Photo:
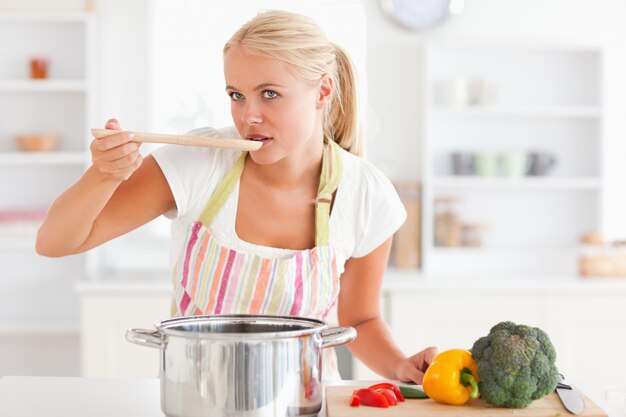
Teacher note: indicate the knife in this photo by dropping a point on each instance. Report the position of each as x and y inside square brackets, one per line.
[570, 397]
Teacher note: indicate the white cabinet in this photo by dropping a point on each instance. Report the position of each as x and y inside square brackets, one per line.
[104, 349]
[37, 295]
[589, 334]
[454, 320]
[586, 326]
[513, 141]
[129, 302]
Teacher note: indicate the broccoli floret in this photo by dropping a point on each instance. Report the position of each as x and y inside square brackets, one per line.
[515, 365]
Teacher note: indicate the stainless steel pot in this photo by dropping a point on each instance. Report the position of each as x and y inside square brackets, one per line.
[241, 365]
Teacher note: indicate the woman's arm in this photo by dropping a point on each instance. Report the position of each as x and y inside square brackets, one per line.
[117, 194]
[359, 307]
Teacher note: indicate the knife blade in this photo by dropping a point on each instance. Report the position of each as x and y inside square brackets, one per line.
[570, 397]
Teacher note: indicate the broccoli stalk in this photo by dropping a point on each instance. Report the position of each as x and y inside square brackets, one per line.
[516, 365]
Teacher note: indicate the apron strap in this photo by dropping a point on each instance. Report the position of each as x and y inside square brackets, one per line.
[222, 191]
[329, 181]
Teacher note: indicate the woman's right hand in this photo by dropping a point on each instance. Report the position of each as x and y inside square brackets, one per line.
[116, 156]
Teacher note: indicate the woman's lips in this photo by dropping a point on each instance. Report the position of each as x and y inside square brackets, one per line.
[263, 139]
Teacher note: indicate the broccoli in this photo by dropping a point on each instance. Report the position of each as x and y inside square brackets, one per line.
[515, 365]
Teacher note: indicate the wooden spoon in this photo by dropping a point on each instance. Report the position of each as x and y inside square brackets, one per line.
[228, 143]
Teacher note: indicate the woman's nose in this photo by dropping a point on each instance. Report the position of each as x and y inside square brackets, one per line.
[251, 114]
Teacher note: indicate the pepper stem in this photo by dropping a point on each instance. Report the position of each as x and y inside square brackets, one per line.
[467, 379]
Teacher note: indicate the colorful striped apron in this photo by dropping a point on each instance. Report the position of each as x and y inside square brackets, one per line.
[213, 279]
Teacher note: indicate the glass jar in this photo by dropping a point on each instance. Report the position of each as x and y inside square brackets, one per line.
[448, 229]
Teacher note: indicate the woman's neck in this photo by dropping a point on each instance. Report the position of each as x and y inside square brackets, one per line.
[295, 171]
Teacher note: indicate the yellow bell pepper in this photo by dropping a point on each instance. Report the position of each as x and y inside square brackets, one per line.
[452, 377]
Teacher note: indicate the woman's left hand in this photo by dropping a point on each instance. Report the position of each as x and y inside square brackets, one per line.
[413, 367]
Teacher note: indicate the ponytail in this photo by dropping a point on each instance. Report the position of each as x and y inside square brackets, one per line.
[342, 122]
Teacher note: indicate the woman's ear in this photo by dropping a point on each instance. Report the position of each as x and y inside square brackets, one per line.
[325, 91]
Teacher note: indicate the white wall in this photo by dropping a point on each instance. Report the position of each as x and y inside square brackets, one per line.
[123, 72]
[393, 71]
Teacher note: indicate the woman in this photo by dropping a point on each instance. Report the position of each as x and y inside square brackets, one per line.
[293, 228]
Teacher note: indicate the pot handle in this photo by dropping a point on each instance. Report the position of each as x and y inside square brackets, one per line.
[335, 336]
[150, 338]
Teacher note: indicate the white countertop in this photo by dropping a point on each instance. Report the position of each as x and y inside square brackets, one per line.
[403, 280]
[79, 397]
[23, 396]
[100, 397]
[396, 280]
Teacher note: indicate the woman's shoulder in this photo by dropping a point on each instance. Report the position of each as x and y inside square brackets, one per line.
[370, 209]
[360, 172]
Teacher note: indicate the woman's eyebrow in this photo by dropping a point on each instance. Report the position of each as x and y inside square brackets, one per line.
[258, 87]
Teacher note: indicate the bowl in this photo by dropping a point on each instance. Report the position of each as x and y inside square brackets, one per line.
[39, 142]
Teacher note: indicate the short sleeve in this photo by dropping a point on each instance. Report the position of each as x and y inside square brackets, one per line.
[381, 212]
[190, 170]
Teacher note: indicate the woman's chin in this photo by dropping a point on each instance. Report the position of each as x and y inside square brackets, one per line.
[264, 156]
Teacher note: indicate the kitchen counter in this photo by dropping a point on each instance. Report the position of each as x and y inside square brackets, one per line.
[403, 280]
[553, 304]
[82, 397]
[396, 281]
[98, 397]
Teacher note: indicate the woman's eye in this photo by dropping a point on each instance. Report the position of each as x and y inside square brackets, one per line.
[236, 96]
[270, 94]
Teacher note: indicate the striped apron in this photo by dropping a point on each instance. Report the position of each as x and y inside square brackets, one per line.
[214, 279]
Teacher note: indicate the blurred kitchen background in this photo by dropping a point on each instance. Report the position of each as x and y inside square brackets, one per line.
[501, 124]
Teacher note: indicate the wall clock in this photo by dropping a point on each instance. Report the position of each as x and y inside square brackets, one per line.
[421, 14]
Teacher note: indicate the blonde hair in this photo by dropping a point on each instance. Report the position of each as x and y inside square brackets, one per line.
[298, 41]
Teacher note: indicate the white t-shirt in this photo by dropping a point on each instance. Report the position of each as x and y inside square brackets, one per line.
[365, 213]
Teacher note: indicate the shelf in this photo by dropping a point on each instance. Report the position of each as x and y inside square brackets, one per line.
[44, 16]
[500, 101]
[43, 86]
[43, 158]
[539, 183]
[7, 243]
[24, 329]
[506, 250]
[401, 280]
[40, 299]
[513, 260]
[519, 111]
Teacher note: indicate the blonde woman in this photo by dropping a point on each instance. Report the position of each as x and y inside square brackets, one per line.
[294, 228]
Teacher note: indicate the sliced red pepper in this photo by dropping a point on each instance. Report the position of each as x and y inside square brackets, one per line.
[398, 393]
[389, 385]
[372, 398]
[388, 393]
[354, 401]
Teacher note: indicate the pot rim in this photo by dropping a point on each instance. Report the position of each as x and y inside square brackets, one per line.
[312, 326]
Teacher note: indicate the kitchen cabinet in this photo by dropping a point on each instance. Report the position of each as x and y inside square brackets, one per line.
[37, 297]
[136, 302]
[512, 158]
[455, 320]
[585, 319]
[589, 332]
[126, 304]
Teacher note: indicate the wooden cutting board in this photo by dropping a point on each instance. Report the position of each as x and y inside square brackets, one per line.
[338, 405]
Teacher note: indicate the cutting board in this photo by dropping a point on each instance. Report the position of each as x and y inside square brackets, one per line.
[338, 405]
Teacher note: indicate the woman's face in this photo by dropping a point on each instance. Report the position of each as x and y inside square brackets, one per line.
[271, 105]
